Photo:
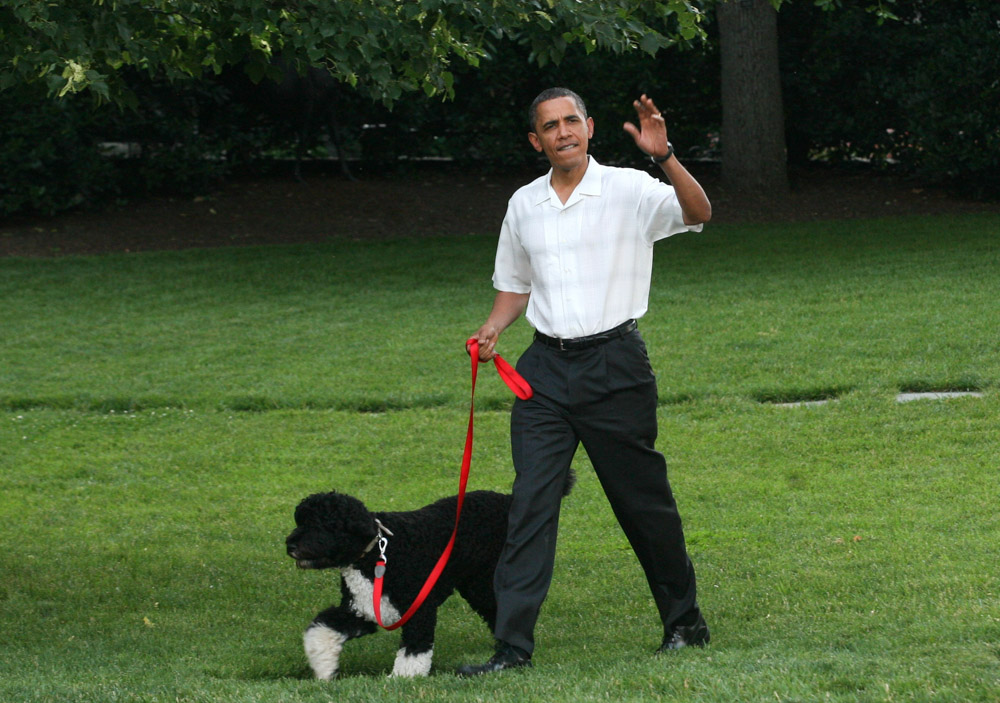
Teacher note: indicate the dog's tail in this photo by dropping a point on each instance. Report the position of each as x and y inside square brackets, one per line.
[570, 482]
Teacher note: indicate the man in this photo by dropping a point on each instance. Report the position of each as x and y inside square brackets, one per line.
[575, 255]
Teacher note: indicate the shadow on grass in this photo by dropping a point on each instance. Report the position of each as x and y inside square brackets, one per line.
[281, 671]
[791, 397]
[960, 385]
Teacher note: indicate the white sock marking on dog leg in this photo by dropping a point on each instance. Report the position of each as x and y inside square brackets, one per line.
[362, 593]
[323, 646]
[410, 665]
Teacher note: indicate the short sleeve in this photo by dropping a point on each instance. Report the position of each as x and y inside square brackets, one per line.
[660, 213]
[512, 269]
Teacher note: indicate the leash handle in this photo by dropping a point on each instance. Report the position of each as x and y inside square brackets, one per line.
[522, 390]
[514, 380]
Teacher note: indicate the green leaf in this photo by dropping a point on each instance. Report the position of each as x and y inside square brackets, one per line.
[650, 43]
[256, 70]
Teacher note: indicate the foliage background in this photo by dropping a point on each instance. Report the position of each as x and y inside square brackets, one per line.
[919, 95]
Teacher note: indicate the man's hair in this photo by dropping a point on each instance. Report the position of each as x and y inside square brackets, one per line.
[552, 94]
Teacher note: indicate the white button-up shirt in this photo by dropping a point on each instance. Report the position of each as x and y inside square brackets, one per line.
[587, 263]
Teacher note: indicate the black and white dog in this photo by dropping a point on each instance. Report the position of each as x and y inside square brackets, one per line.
[336, 531]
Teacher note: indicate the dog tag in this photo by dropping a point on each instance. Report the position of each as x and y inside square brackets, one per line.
[379, 571]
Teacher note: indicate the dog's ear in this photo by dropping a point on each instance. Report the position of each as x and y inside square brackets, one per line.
[366, 528]
[355, 519]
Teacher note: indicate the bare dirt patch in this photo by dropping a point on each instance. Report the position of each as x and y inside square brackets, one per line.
[425, 200]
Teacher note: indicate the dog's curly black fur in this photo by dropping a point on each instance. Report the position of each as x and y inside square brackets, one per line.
[336, 531]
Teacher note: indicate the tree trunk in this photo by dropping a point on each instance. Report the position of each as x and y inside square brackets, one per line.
[753, 131]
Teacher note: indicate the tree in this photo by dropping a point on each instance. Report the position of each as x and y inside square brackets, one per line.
[382, 47]
[754, 156]
[753, 127]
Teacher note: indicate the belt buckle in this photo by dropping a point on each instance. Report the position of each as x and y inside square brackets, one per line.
[562, 347]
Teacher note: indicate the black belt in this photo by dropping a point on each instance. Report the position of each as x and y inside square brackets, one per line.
[592, 340]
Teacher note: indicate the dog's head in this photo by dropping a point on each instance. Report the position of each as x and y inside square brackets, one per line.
[333, 531]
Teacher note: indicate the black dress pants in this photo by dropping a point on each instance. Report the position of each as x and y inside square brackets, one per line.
[605, 398]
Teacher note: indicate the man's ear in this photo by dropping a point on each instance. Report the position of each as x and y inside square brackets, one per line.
[533, 138]
[590, 128]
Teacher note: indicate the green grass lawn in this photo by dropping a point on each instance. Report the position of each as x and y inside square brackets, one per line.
[162, 414]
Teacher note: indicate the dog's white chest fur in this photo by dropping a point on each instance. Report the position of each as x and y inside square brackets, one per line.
[362, 597]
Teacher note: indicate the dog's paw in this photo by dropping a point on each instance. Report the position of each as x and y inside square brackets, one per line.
[412, 665]
[323, 646]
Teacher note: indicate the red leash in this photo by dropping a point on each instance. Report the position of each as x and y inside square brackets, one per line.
[523, 391]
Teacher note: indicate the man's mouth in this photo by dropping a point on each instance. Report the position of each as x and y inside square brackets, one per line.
[567, 147]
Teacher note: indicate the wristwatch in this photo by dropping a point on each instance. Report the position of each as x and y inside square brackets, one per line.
[661, 159]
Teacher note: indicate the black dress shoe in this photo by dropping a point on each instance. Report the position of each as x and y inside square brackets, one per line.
[506, 657]
[686, 636]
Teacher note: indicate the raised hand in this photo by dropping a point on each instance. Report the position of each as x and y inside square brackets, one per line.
[651, 134]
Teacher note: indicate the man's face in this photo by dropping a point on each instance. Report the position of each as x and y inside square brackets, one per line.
[562, 133]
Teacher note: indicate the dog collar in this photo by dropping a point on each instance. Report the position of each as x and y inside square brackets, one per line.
[368, 548]
[381, 531]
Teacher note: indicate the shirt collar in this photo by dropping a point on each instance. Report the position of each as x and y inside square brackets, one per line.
[589, 185]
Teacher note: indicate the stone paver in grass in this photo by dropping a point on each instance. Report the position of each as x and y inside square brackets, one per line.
[900, 398]
[936, 395]
[804, 403]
